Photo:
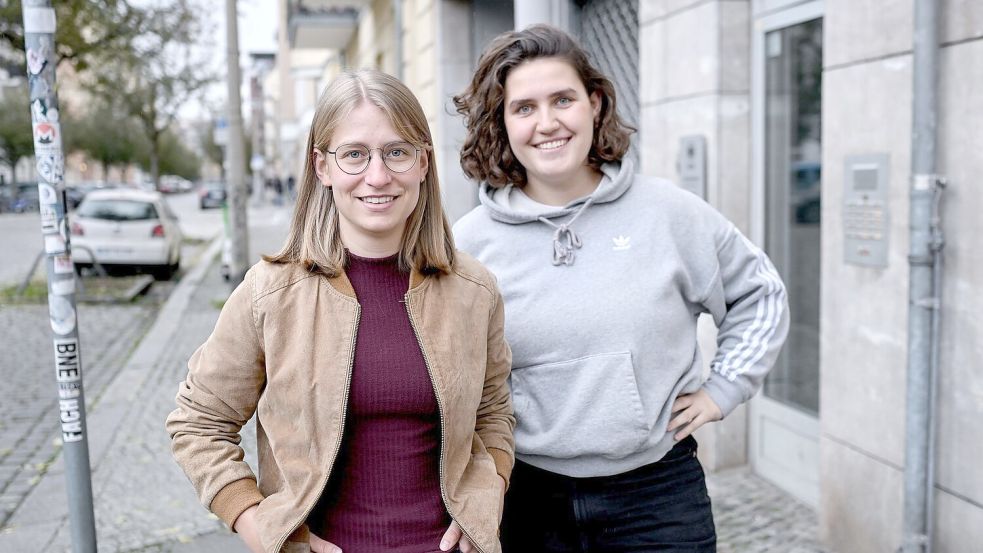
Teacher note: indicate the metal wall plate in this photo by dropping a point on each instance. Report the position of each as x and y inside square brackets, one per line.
[865, 210]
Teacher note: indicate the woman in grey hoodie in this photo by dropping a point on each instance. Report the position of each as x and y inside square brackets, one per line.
[604, 274]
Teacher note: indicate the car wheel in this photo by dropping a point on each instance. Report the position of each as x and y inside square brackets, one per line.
[166, 272]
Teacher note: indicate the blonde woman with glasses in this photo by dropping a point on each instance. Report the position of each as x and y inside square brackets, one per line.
[371, 352]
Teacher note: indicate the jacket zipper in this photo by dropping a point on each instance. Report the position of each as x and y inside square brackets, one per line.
[341, 435]
[440, 411]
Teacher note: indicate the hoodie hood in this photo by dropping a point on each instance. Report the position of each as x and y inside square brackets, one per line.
[499, 201]
[502, 205]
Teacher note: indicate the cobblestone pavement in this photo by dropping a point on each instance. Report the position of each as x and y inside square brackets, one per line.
[148, 504]
[754, 516]
[28, 412]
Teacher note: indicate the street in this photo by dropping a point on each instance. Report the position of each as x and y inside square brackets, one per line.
[20, 242]
[20, 235]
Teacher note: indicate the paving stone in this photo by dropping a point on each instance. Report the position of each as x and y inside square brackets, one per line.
[754, 516]
[107, 333]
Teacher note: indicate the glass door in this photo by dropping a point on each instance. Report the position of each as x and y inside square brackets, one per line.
[788, 93]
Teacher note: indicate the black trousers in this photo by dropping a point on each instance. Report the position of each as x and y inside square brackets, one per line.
[661, 507]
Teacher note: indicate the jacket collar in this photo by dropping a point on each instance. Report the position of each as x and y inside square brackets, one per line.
[343, 285]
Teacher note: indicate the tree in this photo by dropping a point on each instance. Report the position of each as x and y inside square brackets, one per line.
[107, 135]
[208, 147]
[215, 153]
[154, 78]
[16, 134]
[86, 31]
[178, 159]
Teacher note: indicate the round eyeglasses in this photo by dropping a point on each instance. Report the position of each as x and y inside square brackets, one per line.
[353, 159]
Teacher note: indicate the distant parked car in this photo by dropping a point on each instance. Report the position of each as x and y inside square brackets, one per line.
[75, 192]
[173, 183]
[211, 194]
[130, 228]
[23, 198]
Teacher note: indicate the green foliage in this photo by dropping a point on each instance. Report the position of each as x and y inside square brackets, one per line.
[208, 146]
[35, 292]
[135, 59]
[108, 136]
[86, 31]
[177, 159]
[157, 75]
[16, 135]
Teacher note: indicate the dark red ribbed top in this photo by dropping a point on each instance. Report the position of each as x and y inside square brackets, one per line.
[383, 495]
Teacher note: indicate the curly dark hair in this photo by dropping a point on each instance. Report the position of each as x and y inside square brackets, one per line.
[486, 154]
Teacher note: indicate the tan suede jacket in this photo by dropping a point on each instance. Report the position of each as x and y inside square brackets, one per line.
[283, 348]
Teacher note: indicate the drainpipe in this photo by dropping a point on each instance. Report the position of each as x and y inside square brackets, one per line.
[398, 26]
[924, 294]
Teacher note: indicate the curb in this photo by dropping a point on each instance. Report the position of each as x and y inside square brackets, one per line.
[107, 416]
[105, 413]
[120, 394]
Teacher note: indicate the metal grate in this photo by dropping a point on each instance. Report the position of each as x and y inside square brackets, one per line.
[609, 31]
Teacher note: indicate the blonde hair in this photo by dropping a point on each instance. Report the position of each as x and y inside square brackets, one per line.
[314, 239]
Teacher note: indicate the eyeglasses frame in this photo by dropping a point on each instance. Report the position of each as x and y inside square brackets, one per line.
[370, 150]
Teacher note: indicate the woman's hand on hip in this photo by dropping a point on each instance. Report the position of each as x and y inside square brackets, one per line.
[691, 411]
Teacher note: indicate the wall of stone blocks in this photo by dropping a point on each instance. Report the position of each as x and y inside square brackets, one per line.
[867, 109]
[454, 73]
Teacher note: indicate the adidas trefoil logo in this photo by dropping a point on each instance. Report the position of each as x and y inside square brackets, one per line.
[621, 243]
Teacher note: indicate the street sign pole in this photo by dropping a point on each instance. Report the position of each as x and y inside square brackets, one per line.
[39, 44]
[236, 185]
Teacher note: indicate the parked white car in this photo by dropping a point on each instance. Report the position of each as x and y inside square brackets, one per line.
[123, 227]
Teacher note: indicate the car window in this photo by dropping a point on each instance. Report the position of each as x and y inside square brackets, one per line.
[117, 210]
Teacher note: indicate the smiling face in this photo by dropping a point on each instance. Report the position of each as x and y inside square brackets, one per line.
[374, 205]
[549, 118]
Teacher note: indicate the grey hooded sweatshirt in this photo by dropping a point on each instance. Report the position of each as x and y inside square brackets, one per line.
[601, 315]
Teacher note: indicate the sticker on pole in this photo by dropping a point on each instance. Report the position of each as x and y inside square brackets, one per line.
[49, 218]
[67, 366]
[37, 60]
[39, 20]
[62, 315]
[63, 264]
[47, 138]
[63, 287]
[54, 243]
[41, 112]
[69, 377]
[51, 167]
[47, 194]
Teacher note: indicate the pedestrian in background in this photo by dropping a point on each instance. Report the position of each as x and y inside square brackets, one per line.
[372, 353]
[290, 187]
[604, 273]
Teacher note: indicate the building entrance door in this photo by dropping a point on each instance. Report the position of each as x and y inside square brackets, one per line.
[787, 141]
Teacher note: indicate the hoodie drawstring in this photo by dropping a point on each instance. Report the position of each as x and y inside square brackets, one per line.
[565, 240]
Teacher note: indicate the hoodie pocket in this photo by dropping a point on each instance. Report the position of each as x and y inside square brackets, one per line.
[588, 406]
